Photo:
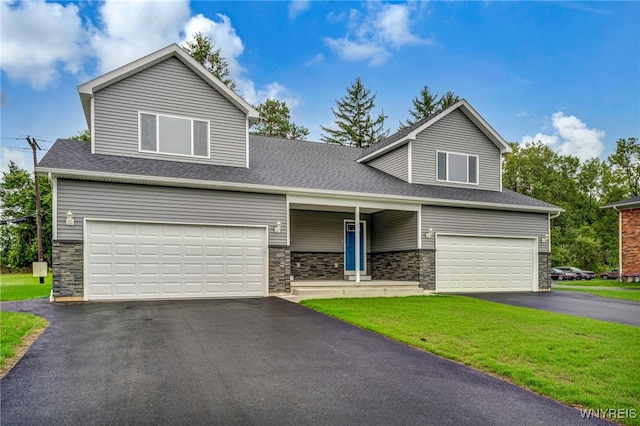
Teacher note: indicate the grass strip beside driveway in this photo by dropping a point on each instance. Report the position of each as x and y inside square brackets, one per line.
[633, 295]
[17, 332]
[599, 282]
[579, 361]
[23, 287]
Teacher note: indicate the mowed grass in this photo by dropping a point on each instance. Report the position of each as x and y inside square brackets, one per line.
[579, 361]
[633, 295]
[599, 282]
[15, 331]
[23, 287]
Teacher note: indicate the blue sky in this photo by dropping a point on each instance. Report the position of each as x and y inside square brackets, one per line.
[565, 73]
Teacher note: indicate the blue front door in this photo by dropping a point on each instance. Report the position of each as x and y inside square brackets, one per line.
[350, 247]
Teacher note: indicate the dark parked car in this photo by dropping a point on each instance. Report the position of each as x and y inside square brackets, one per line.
[613, 274]
[587, 275]
[560, 275]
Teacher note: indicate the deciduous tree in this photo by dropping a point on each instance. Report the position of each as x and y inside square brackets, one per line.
[18, 233]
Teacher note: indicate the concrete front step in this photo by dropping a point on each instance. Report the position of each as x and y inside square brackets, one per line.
[360, 291]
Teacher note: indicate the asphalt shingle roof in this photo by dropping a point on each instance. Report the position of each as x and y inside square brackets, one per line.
[283, 163]
[628, 201]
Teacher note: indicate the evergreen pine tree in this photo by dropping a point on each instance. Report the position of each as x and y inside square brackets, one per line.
[203, 50]
[355, 125]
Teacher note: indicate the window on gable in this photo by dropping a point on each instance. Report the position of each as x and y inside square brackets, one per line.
[461, 168]
[174, 135]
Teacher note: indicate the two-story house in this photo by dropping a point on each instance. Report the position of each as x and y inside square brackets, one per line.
[173, 198]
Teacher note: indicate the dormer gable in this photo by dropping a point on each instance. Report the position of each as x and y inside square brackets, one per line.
[454, 147]
[167, 106]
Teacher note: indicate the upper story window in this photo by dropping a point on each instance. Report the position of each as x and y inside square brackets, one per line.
[460, 168]
[168, 134]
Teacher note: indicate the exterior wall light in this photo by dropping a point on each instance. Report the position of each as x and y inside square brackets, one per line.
[545, 238]
[70, 220]
[278, 227]
[429, 233]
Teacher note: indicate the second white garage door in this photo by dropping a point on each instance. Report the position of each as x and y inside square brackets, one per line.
[125, 260]
[484, 264]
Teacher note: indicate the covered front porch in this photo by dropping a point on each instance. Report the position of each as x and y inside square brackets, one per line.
[347, 248]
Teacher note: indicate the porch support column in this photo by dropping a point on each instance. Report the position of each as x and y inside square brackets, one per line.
[357, 245]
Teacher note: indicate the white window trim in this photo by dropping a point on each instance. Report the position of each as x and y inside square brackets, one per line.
[157, 151]
[454, 181]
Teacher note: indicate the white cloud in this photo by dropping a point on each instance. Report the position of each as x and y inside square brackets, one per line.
[296, 7]
[571, 137]
[318, 59]
[357, 51]
[222, 34]
[273, 90]
[37, 38]
[371, 35]
[131, 30]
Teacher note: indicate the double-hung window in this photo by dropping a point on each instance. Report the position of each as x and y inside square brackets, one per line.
[459, 168]
[167, 134]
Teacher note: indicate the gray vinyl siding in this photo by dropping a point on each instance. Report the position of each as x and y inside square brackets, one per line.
[455, 133]
[100, 200]
[460, 221]
[393, 230]
[315, 231]
[168, 88]
[395, 163]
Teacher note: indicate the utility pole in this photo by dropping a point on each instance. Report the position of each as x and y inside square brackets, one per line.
[34, 145]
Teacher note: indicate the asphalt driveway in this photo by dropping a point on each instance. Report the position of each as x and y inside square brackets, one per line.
[572, 303]
[249, 362]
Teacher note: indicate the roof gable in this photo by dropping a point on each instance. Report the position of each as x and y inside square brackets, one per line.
[87, 89]
[402, 136]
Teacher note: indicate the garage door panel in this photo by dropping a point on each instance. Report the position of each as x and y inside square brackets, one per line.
[476, 264]
[138, 260]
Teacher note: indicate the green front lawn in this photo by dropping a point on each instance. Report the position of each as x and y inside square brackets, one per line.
[23, 287]
[578, 361]
[16, 331]
[599, 282]
[633, 295]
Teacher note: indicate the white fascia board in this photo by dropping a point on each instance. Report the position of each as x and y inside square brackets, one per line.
[87, 89]
[352, 197]
[623, 206]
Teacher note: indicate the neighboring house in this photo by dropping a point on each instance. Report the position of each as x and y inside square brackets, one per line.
[628, 235]
[173, 198]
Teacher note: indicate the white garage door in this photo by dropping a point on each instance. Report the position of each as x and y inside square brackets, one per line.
[126, 260]
[482, 264]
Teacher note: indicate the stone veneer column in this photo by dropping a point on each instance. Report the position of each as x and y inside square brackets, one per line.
[68, 268]
[279, 269]
[544, 273]
[427, 264]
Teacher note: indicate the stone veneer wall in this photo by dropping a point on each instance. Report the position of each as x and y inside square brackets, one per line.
[427, 260]
[630, 254]
[68, 268]
[544, 273]
[317, 266]
[279, 269]
[395, 265]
